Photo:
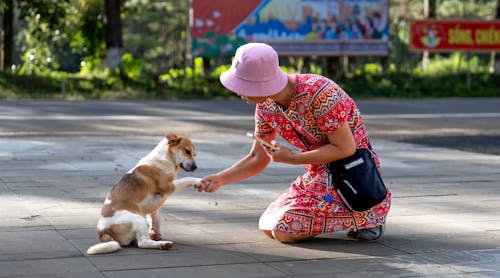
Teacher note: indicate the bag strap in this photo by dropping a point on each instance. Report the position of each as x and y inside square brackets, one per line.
[302, 138]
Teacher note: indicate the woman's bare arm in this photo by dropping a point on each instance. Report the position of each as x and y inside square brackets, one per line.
[341, 145]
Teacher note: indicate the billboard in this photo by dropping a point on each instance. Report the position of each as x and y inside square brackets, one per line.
[292, 27]
[454, 35]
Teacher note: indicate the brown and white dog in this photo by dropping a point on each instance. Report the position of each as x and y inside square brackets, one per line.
[131, 211]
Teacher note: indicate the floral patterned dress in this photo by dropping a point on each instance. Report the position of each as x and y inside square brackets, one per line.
[318, 107]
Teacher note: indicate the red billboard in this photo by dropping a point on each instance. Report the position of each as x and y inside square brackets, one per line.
[454, 35]
[292, 27]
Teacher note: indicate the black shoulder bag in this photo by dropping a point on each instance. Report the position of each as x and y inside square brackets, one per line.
[356, 178]
[358, 181]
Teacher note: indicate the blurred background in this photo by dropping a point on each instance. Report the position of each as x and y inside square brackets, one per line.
[176, 49]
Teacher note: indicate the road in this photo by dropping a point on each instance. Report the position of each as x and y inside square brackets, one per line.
[466, 124]
[59, 160]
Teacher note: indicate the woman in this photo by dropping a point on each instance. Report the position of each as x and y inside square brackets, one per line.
[304, 109]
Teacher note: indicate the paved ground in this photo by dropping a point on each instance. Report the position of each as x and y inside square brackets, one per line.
[58, 161]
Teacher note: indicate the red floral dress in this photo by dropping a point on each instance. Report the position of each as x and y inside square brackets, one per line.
[318, 107]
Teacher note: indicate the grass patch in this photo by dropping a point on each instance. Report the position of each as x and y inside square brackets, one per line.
[65, 86]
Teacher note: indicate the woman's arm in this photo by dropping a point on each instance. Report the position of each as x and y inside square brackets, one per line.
[341, 145]
[250, 165]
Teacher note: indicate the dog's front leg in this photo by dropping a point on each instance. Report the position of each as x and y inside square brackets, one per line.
[184, 183]
[154, 225]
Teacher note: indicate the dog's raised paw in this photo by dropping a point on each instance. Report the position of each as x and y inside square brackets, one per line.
[185, 183]
[167, 245]
[196, 181]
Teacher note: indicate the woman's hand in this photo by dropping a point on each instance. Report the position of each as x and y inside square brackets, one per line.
[210, 183]
[279, 153]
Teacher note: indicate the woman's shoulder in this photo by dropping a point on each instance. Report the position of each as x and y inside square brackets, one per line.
[312, 82]
[315, 84]
[308, 79]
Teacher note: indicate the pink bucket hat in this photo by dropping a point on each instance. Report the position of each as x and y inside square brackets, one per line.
[255, 72]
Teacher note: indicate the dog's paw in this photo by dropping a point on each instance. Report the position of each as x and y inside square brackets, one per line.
[185, 183]
[190, 181]
[155, 235]
[166, 245]
[196, 181]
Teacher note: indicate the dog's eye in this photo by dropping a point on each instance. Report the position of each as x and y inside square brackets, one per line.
[188, 152]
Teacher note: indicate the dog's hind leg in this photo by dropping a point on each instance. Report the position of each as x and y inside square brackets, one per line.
[153, 244]
[143, 240]
[184, 183]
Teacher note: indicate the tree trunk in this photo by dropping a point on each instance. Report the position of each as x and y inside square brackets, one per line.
[113, 34]
[496, 58]
[498, 10]
[432, 9]
[429, 12]
[332, 66]
[7, 35]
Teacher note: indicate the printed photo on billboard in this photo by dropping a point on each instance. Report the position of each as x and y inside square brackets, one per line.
[293, 27]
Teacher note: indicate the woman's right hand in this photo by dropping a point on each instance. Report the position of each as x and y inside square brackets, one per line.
[210, 183]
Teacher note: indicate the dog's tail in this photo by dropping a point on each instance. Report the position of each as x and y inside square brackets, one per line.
[104, 247]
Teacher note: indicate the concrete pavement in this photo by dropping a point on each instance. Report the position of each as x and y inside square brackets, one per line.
[58, 161]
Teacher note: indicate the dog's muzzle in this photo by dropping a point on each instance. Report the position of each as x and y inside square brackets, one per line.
[189, 167]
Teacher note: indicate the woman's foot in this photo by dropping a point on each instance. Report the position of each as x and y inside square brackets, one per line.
[286, 237]
[370, 234]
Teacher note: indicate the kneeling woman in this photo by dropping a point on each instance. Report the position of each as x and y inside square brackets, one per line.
[315, 115]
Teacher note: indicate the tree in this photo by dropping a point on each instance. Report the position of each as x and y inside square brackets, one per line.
[7, 34]
[157, 40]
[496, 63]
[42, 23]
[498, 10]
[432, 9]
[113, 33]
[85, 28]
[429, 12]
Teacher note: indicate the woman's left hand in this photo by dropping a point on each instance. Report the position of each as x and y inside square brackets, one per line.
[279, 153]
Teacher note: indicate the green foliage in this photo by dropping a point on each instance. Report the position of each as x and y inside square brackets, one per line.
[43, 39]
[156, 32]
[188, 83]
[316, 69]
[456, 62]
[218, 70]
[404, 85]
[132, 66]
[85, 29]
[369, 68]
[60, 49]
[192, 83]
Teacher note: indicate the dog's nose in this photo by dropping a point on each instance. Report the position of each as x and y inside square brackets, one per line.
[189, 167]
[193, 167]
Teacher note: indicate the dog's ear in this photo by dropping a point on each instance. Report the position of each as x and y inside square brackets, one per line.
[173, 139]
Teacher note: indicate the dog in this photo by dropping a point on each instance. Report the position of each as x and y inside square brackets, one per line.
[131, 211]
